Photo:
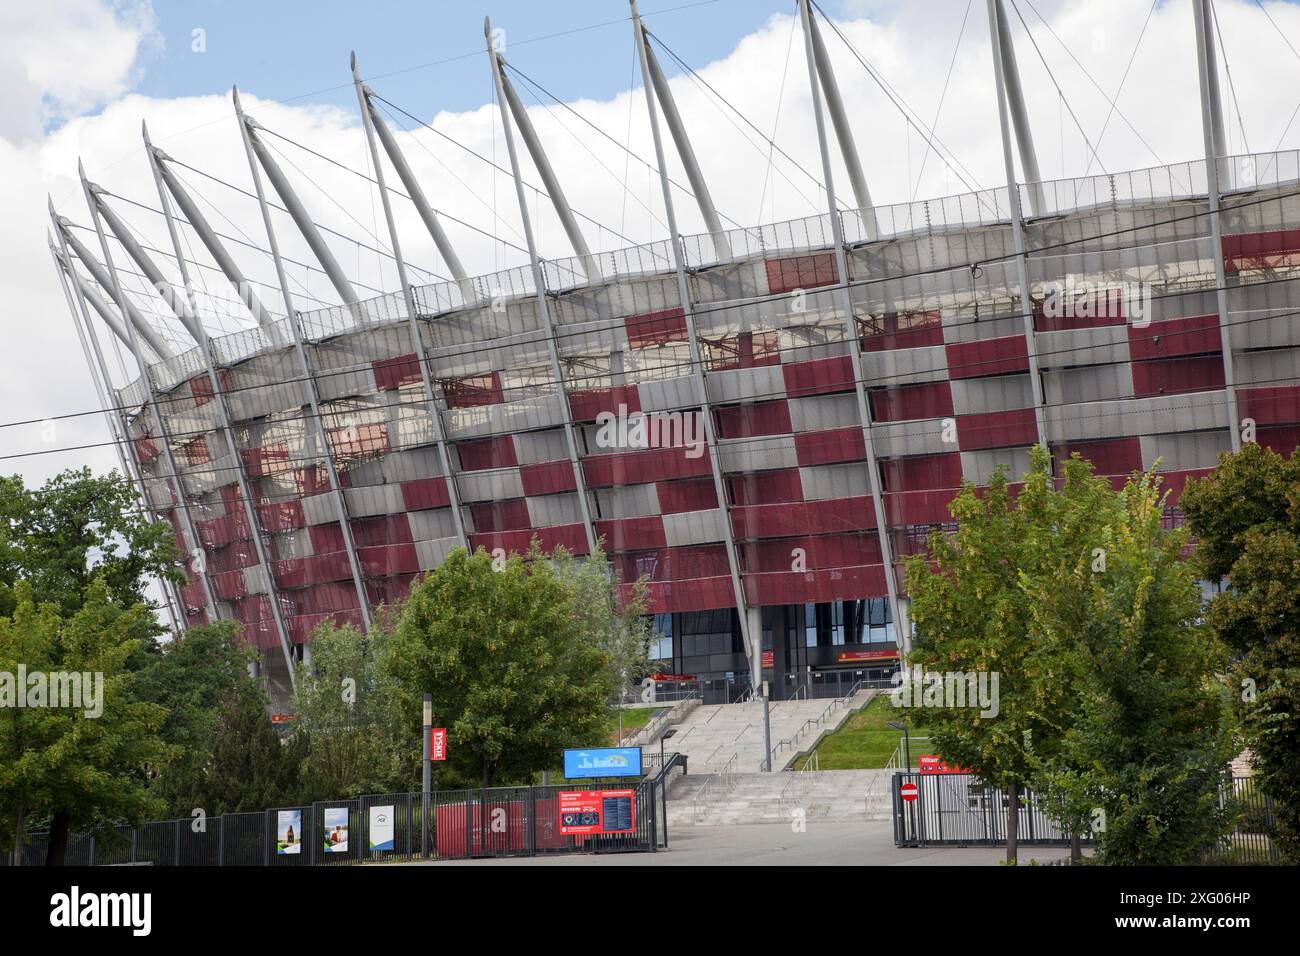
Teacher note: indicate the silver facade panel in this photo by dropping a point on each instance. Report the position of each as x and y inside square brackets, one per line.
[1186, 450]
[695, 527]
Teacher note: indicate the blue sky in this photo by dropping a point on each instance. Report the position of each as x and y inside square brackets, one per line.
[294, 51]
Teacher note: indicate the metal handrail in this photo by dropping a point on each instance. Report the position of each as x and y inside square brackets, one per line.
[835, 704]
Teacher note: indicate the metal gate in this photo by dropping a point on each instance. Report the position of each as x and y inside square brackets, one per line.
[957, 809]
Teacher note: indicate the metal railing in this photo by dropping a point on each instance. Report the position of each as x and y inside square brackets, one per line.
[1173, 181]
[815, 723]
[720, 783]
[462, 824]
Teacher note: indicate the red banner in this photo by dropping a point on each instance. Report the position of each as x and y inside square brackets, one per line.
[673, 677]
[437, 743]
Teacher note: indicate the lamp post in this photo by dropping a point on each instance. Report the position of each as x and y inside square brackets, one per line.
[671, 732]
[427, 767]
[907, 749]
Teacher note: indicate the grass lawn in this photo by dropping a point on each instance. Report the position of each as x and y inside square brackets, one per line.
[634, 718]
[865, 742]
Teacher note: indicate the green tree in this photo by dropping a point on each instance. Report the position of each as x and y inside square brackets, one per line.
[1148, 735]
[514, 676]
[973, 612]
[612, 617]
[75, 528]
[1246, 517]
[346, 712]
[86, 769]
[192, 679]
[251, 768]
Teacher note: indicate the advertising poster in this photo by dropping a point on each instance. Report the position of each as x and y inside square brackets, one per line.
[602, 762]
[288, 832]
[381, 829]
[596, 812]
[336, 830]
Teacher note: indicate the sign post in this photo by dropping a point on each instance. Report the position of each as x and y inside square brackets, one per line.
[427, 768]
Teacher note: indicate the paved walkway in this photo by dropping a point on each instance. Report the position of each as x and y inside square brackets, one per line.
[822, 844]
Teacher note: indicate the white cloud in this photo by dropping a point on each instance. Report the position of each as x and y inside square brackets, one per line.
[41, 371]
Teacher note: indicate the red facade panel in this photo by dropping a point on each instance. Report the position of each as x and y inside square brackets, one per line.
[587, 403]
[640, 467]
[656, 328]
[803, 517]
[625, 534]
[1119, 456]
[765, 487]
[818, 376]
[674, 564]
[572, 537]
[1177, 376]
[918, 507]
[388, 559]
[474, 391]
[830, 446]
[425, 493]
[1282, 440]
[901, 330]
[282, 516]
[759, 418]
[692, 494]
[1193, 335]
[997, 429]
[922, 472]
[835, 584]
[987, 357]
[910, 402]
[1091, 311]
[801, 272]
[1277, 248]
[701, 594]
[811, 552]
[1270, 406]
[548, 478]
[494, 516]
[395, 372]
[483, 454]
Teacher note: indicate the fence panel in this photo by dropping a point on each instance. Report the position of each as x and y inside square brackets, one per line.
[463, 824]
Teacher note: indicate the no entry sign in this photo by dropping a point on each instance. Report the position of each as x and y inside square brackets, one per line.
[908, 792]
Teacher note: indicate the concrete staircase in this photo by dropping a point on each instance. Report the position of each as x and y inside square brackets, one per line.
[729, 737]
[741, 798]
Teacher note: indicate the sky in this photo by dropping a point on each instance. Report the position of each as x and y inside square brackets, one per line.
[81, 75]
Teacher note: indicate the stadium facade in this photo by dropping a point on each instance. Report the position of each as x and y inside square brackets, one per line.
[764, 423]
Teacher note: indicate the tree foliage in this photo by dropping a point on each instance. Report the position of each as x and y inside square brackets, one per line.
[348, 718]
[86, 770]
[1246, 517]
[1080, 602]
[75, 528]
[514, 672]
[1142, 755]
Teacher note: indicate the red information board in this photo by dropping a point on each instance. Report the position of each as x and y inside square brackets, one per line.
[597, 811]
[932, 763]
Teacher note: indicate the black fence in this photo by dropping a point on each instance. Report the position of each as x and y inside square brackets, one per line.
[958, 809]
[461, 824]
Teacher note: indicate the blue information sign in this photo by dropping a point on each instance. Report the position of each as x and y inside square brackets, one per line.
[602, 762]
